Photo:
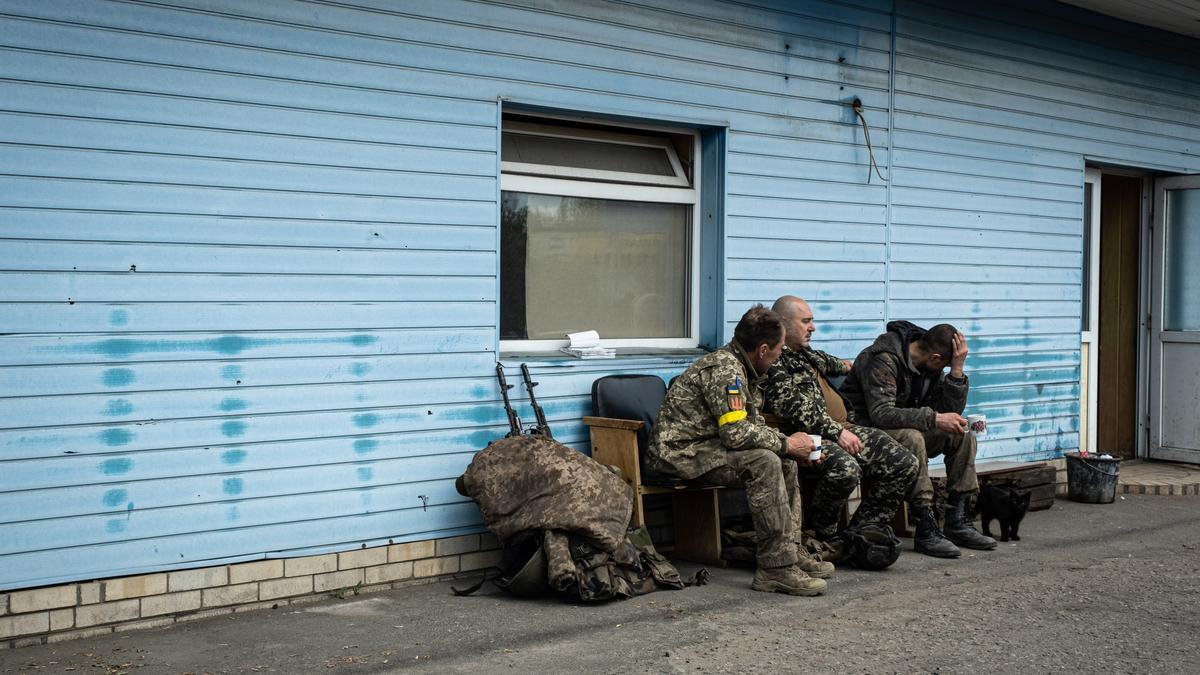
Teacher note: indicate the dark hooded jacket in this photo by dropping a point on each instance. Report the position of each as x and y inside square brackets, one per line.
[883, 389]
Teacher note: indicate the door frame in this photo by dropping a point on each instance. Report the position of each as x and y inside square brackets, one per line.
[1089, 332]
[1094, 172]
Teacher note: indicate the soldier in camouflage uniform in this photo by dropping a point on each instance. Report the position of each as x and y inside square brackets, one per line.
[709, 431]
[798, 392]
[897, 384]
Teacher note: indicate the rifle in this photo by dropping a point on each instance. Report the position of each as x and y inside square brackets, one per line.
[542, 428]
[514, 422]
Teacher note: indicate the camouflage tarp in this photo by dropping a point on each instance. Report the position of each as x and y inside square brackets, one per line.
[533, 483]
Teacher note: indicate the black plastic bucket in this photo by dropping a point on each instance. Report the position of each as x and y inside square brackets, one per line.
[1092, 479]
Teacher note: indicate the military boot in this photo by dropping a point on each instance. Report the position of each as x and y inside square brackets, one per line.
[789, 579]
[963, 532]
[928, 539]
[813, 565]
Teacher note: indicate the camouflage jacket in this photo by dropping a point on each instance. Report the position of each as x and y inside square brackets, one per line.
[885, 390]
[794, 394]
[712, 408]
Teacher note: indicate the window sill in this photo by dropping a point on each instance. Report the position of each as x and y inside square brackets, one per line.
[626, 357]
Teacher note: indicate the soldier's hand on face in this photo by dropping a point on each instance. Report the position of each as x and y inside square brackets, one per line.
[799, 445]
[959, 359]
[951, 423]
[849, 442]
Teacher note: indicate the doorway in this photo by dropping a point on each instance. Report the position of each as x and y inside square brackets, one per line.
[1115, 207]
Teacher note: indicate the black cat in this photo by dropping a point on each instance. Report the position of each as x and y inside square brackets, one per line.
[1005, 504]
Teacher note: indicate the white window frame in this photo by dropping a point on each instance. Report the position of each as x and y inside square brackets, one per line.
[598, 184]
[679, 179]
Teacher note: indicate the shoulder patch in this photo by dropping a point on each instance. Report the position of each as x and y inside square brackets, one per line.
[733, 394]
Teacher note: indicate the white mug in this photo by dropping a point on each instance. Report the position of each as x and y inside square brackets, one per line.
[977, 423]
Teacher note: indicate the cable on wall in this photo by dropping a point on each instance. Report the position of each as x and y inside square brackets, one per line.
[856, 104]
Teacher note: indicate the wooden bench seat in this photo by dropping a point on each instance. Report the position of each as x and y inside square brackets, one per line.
[695, 508]
[1036, 478]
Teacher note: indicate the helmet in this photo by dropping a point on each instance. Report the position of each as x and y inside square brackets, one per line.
[525, 574]
[871, 547]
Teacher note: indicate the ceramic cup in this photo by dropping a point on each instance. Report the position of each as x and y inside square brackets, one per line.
[815, 454]
[977, 423]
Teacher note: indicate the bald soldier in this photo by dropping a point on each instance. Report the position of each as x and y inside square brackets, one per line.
[710, 431]
[799, 393]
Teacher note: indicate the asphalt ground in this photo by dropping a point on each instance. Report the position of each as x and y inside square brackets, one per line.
[1089, 588]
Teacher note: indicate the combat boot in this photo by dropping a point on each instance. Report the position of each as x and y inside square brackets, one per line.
[963, 532]
[928, 539]
[789, 579]
[813, 565]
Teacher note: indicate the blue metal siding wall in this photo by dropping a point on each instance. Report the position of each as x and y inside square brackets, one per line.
[993, 119]
[249, 250]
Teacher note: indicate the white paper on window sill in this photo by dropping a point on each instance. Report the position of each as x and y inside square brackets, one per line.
[586, 345]
[584, 339]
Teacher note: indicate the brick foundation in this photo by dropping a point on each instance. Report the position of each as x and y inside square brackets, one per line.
[70, 611]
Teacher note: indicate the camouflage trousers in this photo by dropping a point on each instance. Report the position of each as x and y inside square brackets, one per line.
[772, 490]
[884, 465]
[959, 450]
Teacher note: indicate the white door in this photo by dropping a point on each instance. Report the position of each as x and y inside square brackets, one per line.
[1175, 321]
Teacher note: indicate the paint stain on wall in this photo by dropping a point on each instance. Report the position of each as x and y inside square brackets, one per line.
[114, 497]
[123, 348]
[232, 486]
[233, 428]
[115, 437]
[365, 473]
[366, 420]
[115, 525]
[232, 372]
[116, 466]
[360, 368]
[365, 445]
[234, 456]
[231, 404]
[117, 407]
[118, 317]
[117, 377]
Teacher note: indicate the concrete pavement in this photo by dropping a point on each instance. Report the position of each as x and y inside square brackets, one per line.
[1089, 587]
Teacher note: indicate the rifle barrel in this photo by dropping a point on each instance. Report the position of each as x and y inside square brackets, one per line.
[543, 427]
[514, 422]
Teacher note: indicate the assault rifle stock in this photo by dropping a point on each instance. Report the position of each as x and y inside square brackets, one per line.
[514, 422]
[542, 428]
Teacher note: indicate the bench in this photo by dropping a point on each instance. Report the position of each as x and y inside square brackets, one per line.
[695, 509]
[1036, 478]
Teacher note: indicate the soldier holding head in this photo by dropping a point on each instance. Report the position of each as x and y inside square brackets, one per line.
[898, 385]
[799, 393]
[710, 431]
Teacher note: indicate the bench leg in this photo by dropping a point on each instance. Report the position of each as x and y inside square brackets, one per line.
[638, 517]
[697, 526]
[900, 524]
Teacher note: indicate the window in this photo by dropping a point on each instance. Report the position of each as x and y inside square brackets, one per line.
[597, 231]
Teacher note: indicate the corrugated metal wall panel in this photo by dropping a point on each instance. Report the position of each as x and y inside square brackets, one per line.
[996, 108]
[249, 249]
